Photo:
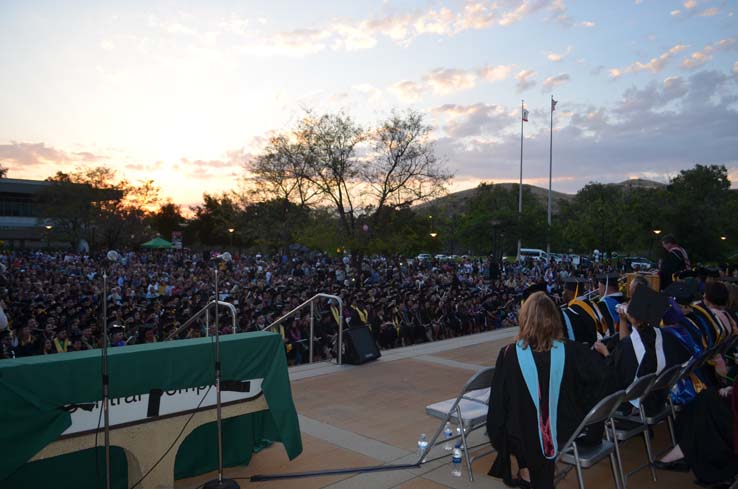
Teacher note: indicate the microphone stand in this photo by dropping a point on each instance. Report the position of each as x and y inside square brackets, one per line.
[105, 380]
[220, 482]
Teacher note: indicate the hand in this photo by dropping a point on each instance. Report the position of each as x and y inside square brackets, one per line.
[601, 349]
[726, 391]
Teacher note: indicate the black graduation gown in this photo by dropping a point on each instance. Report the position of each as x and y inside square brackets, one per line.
[624, 363]
[704, 431]
[512, 419]
[582, 324]
[612, 323]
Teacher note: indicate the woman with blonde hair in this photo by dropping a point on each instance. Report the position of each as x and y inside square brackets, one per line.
[543, 387]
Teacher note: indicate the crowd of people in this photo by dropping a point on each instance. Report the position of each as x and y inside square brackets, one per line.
[53, 301]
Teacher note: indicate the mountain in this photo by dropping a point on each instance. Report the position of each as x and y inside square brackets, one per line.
[453, 204]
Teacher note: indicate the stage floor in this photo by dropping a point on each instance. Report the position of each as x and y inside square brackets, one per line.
[373, 414]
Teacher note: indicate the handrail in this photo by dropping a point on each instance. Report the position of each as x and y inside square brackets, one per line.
[311, 301]
[199, 313]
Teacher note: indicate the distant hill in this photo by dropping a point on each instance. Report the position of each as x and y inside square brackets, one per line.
[453, 204]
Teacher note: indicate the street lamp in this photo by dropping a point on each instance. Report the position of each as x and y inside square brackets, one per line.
[723, 238]
[48, 227]
[230, 236]
[656, 232]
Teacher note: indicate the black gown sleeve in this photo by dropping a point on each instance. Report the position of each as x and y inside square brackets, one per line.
[496, 419]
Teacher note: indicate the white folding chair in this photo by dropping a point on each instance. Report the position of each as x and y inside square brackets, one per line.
[468, 411]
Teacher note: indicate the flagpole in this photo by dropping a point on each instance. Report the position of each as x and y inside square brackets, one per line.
[520, 186]
[550, 175]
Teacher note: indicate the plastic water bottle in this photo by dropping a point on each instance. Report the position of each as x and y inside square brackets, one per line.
[447, 435]
[422, 445]
[456, 462]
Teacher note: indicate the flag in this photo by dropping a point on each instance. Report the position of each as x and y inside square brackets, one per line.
[525, 115]
[553, 104]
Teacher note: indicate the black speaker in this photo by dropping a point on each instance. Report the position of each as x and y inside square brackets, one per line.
[360, 346]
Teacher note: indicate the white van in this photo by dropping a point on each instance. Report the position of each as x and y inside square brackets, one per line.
[534, 254]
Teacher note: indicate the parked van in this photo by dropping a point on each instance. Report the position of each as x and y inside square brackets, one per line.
[534, 254]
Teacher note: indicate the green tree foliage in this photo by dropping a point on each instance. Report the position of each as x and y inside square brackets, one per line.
[701, 208]
[490, 222]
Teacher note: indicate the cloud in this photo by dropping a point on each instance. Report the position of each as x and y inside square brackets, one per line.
[555, 57]
[709, 12]
[674, 13]
[445, 80]
[587, 23]
[442, 81]
[554, 81]
[495, 73]
[664, 126]
[346, 34]
[18, 155]
[525, 80]
[699, 58]
[407, 91]
[474, 120]
[654, 65]
[690, 4]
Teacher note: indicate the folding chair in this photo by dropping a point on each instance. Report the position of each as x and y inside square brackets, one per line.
[468, 411]
[664, 381]
[625, 430]
[584, 457]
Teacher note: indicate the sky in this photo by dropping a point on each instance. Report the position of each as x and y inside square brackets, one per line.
[185, 93]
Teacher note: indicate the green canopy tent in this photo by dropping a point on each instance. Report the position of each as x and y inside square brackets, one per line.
[157, 243]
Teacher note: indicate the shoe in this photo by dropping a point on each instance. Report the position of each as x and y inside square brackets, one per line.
[521, 483]
[675, 466]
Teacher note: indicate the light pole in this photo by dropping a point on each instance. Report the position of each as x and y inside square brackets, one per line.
[48, 227]
[656, 232]
[230, 236]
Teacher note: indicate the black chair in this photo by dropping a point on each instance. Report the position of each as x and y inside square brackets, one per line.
[625, 430]
[584, 457]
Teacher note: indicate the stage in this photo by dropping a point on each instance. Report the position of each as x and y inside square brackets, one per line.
[373, 414]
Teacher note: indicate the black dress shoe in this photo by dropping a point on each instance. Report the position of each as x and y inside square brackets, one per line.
[675, 466]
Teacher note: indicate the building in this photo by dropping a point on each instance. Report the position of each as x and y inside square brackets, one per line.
[20, 223]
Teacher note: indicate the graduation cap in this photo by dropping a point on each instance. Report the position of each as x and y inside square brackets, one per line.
[574, 283]
[539, 287]
[647, 305]
[682, 291]
[608, 278]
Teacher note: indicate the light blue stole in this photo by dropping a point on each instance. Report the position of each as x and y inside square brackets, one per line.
[567, 322]
[530, 375]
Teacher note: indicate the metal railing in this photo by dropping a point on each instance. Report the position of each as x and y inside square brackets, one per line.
[311, 302]
[206, 310]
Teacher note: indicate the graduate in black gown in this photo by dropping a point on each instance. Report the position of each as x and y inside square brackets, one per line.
[645, 349]
[578, 316]
[707, 438]
[543, 387]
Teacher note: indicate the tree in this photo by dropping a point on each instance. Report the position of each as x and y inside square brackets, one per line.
[92, 204]
[167, 219]
[330, 161]
[3, 172]
[701, 209]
